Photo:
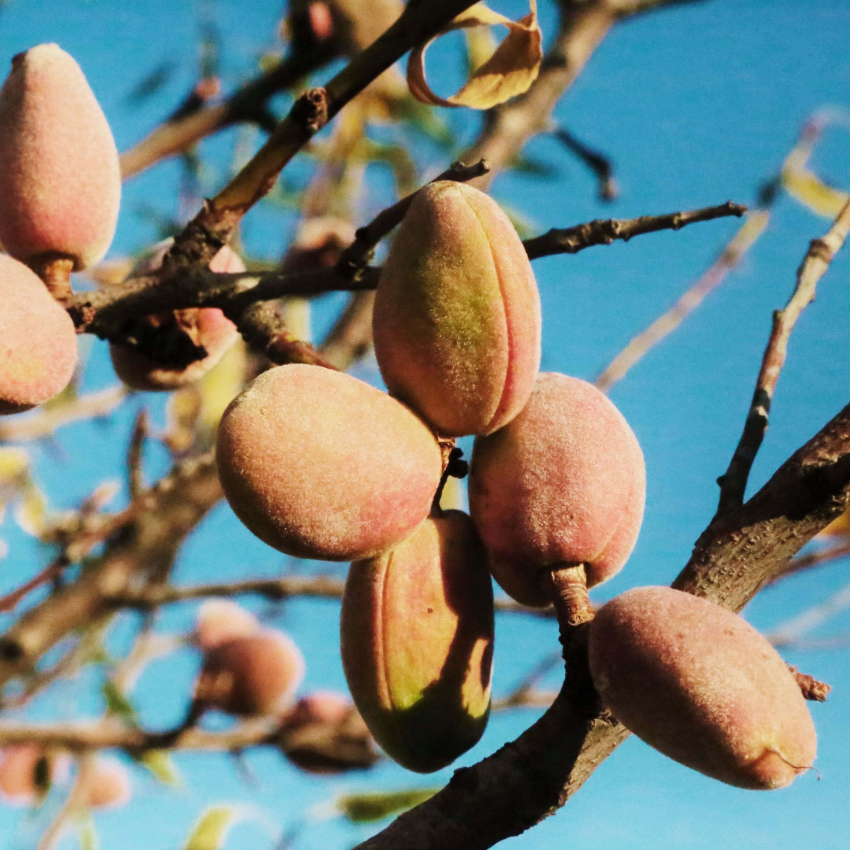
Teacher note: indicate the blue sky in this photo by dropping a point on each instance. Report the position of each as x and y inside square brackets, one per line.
[696, 105]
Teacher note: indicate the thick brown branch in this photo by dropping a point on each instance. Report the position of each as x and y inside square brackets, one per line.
[171, 509]
[106, 312]
[814, 559]
[528, 779]
[215, 224]
[733, 483]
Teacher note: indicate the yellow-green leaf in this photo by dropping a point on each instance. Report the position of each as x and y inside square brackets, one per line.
[161, 765]
[806, 187]
[210, 831]
[374, 806]
[31, 512]
[510, 71]
[13, 465]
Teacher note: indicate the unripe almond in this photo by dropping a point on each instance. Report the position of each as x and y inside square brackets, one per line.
[108, 784]
[38, 343]
[325, 707]
[60, 181]
[457, 313]
[417, 642]
[698, 683]
[26, 772]
[206, 326]
[222, 620]
[324, 734]
[321, 465]
[563, 484]
[251, 676]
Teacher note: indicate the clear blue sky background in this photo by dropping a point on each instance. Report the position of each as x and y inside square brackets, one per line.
[696, 105]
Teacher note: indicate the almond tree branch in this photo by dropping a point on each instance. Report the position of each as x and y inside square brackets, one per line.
[286, 587]
[181, 132]
[45, 421]
[531, 777]
[571, 240]
[664, 325]
[216, 223]
[106, 312]
[815, 559]
[733, 482]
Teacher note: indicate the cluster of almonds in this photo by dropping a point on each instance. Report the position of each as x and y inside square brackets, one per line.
[61, 187]
[320, 465]
[27, 771]
[250, 671]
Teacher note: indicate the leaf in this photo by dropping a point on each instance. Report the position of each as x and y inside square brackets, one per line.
[118, 704]
[807, 188]
[13, 465]
[161, 765]
[510, 71]
[87, 833]
[377, 805]
[31, 512]
[210, 831]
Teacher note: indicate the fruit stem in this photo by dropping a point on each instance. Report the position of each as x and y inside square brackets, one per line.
[55, 270]
[566, 585]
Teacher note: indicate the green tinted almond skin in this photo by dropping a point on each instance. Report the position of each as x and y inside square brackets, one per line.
[321, 465]
[210, 328]
[60, 179]
[417, 641]
[457, 313]
[699, 684]
[563, 484]
[38, 343]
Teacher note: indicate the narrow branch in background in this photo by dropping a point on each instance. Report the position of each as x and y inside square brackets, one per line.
[815, 559]
[571, 240]
[316, 587]
[51, 572]
[216, 223]
[45, 421]
[730, 257]
[792, 630]
[264, 328]
[73, 805]
[350, 338]
[162, 518]
[135, 452]
[733, 483]
[182, 131]
[597, 162]
[358, 254]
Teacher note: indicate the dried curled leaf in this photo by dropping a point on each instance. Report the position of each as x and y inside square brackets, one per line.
[508, 72]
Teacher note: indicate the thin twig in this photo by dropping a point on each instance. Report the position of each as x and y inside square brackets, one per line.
[814, 559]
[571, 240]
[733, 483]
[801, 624]
[729, 258]
[357, 255]
[45, 421]
[597, 162]
[286, 587]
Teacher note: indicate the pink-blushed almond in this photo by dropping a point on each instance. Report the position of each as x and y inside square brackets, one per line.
[60, 180]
